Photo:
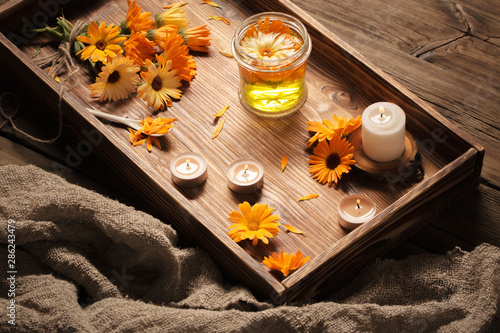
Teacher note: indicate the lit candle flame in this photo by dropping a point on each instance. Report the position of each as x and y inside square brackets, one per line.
[381, 111]
[245, 168]
[187, 164]
[357, 204]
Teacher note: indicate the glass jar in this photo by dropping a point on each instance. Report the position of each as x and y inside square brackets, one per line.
[272, 58]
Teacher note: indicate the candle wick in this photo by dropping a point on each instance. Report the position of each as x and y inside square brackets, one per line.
[381, 111]
[245, 168]
[357, 204]
[187, 164]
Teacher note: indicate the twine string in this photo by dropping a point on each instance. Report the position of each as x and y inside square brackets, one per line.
[59, 61]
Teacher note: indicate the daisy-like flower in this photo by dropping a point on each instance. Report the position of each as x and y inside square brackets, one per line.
[136, 20]
[117, 80]
[197, 38]
[139, 48]
[331, 159]
[285, 262]
[161, 84]
[103, 42]
[268, 46]
[267, 27]
[174, 50]
[253, 223]
[174, 15]
[337, 127]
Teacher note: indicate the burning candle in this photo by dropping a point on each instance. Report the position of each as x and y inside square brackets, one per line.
[383, 131]
[188, 169]
[355, 210]
[245, 175]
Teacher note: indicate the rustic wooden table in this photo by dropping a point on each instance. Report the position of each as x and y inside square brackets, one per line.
[445, 52]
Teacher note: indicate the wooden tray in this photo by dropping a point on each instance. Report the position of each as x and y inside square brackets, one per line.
[339, 81]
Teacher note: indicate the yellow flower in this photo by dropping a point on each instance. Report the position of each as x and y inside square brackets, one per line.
[174, 50]
[161, 84]
[117, 80]
[196, 38]
[338, 126]
[136, 21]
[331, 159]
[139, 48]
[175, 15]
[253, 223]
[285, 262]
[103, 42]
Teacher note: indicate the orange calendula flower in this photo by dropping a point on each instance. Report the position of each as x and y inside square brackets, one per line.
[151, 126]
[253, 223]
[103, 42]
[175, 15]
[269, 46]
[139, 48]
[285, 262]
[328, 129]
[331, 159]
[275, 27]
[174, 50]
[136, 20]
[197, 38]
[117, 80]
[161, 84]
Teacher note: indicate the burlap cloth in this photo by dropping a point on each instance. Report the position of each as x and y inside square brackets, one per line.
[86, 263]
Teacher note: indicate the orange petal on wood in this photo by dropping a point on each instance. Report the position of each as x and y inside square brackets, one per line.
[140, 142]
[293, 229]
[211, 3]
[310, 196]
[218, 128]
[220, 18]
[229, 55]
[221, 112]
[284, 161]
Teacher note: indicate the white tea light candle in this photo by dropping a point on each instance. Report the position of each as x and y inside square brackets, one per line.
[383, 131]
[245, 175]
[188, 169]
[355, 210]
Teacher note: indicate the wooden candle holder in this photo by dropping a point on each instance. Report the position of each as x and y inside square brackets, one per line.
[409, 159]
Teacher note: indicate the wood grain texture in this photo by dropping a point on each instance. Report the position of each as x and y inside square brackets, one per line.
[340, 82]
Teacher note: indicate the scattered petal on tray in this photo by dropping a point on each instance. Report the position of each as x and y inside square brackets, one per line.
[309, 197]
[284, 161]
[218, 128]
[253, 223]
[220, 18]
[221, 112]
[285, 263]
[293, 229]
[226, 54]
[211, 3]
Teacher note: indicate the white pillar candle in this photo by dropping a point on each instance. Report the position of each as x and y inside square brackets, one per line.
[245, 175]
[383, 131]
[355, 210]
[188, 169]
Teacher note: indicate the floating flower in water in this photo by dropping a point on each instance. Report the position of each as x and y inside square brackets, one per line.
[139, 48]
[275, 27]
[161, 84]
[103, 40]
[268, 46]
[285, 262]
[253, 223]
[337, 127]
[136, 20]
[117, 80]
[331, 159]
[175, 15]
